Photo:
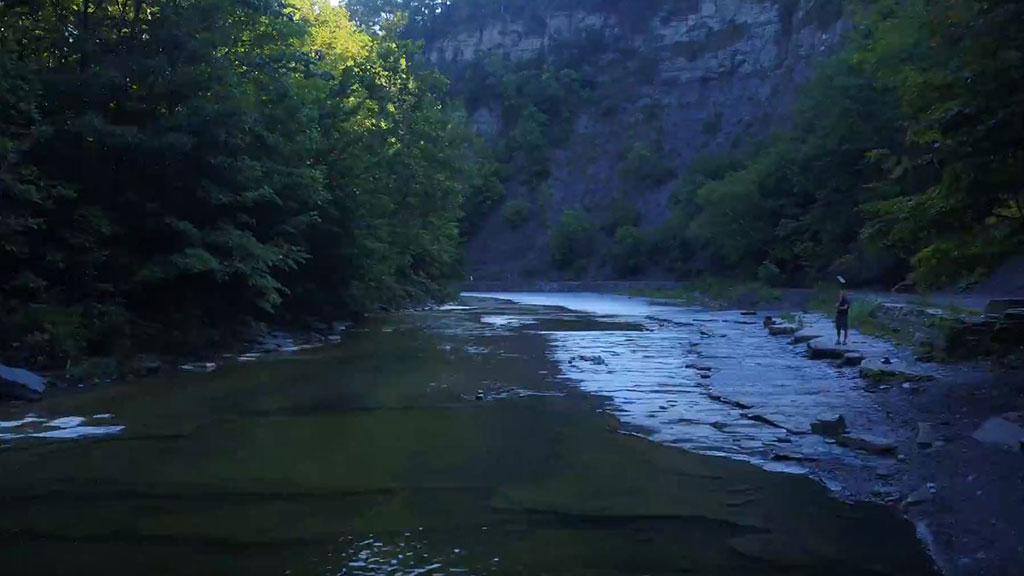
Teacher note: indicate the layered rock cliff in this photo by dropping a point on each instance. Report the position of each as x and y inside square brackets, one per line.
[707, 76]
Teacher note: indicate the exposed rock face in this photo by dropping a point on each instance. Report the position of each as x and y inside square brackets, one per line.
[722, 72]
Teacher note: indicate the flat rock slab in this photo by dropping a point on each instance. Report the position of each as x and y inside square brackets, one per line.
[805, 336]
[874, 444]
[1001, 305]
[19, 384]
[876, 370]
[1002, 432]
[822, 350]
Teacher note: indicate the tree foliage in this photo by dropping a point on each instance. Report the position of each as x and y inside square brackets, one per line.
[906, 154]
[166, 180]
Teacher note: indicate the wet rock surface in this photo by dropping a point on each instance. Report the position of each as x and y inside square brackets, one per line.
[874, 444]
[820, 349]
[831, 427]
[765, 394]
[377, 457]
[1004, 432]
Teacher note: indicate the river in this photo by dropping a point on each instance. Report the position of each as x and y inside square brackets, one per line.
[509, 434]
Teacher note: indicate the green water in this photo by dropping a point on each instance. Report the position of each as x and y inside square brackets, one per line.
[373, 457]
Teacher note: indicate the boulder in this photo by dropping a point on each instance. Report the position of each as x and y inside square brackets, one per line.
[782, 330]
[880, 372]
[822, 350]
[1002, 432]
[875, 444]
[1001, 305]
[851, 359]
[748, 313]
[830, 427]
[19, 384]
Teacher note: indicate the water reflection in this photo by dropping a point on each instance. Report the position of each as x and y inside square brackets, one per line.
[260, 467]
[65, 427]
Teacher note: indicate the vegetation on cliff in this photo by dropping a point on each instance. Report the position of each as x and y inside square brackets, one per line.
[904, 155]
[172, 169]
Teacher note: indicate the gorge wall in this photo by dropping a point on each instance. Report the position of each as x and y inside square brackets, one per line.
[662, 84]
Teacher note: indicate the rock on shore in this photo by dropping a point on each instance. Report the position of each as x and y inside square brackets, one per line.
[18, 384]
[878, 371]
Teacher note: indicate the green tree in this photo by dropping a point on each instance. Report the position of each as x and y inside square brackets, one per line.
[165, 182]
[572, 241]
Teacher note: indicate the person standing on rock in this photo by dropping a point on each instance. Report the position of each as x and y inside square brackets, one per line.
[842, 318]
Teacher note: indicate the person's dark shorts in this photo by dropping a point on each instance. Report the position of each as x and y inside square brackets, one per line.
[842, 322]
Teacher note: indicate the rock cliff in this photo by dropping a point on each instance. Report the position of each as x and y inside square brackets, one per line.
[707, 76]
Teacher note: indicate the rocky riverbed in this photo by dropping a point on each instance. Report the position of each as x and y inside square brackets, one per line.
[528, 433]
[867, 419]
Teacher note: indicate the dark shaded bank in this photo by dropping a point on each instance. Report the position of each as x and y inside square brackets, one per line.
[375, 456]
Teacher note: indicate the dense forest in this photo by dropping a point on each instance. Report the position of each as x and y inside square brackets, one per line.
[904, 156]
[172, 171]
[165, 181]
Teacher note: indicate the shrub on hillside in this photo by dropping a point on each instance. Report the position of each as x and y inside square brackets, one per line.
[631, 251]
[770, 275]
[645, 167]
[572, 240]
[515, 214]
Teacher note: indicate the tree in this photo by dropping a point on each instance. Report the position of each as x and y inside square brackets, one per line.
[165, 182]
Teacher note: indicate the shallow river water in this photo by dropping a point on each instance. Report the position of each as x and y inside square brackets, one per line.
[375, 456]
